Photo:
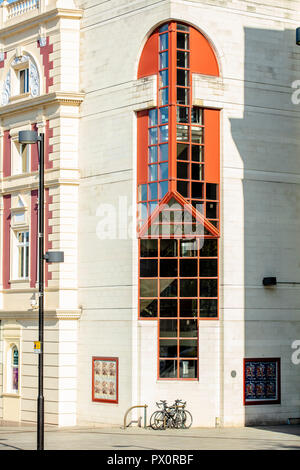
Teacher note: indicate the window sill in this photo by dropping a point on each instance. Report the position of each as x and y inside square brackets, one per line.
[25, 280]
[11, 395]
[19, 97]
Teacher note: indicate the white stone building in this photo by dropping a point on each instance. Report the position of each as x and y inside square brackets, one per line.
[116, 87]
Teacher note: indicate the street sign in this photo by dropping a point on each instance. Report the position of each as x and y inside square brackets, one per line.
[37, 347]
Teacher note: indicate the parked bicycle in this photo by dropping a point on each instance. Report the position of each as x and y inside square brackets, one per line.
[174, 416]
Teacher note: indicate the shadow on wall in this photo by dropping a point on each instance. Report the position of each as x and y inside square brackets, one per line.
[268, 141]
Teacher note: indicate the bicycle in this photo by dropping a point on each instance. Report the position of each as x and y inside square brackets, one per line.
[184, 417]
[174, 416]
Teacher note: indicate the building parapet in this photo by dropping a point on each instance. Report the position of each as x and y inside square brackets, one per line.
[15, 12]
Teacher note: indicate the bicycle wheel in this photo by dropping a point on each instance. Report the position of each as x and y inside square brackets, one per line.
[157, 420]
[187, 419]
[178, 420]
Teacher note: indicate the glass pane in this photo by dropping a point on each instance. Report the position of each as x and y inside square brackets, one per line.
[26, 261]
[188, 369]
[182, 170]
[164, 96]
[197, 115]
[168, 308]
[183, 77]
[163, 152]
[168, 348]
[211, 191]
[197, 190]
[183, 98]
[163, 78]
[148, 308]
[182, 151]
[189, 328]
[148, 268]
[182, 41]
[164, 133]
[209, 308]
[143, 211]
[188, 348]
[152, 172]
[197, 135]
[163, 189]
[182, 114]
[168, 248]
[188, 248]
[15, 378]
[182, 133]
[168, 268]
[152, 154]
[148, 248]
[152, 207]
[152, 191]
[188, 307]
[188, 268]
[167, 328]
[164, 28]
[163, 60]
[148, 287]
[183, 59]
[182, 27]
[164, 115]
[163, 170]
[168, 369]
[197, 153]
[211, 210]
[183, 188]
[188, 287]
[209, 248]
[208, 287]
[199, 207]
[152, 117]
[208, 268]
[15, 357]
[143, 192]
[168, 287]
[153, 135]
[163, 42]
[197, 172]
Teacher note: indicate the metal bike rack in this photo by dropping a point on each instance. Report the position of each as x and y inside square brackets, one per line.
[139, 421]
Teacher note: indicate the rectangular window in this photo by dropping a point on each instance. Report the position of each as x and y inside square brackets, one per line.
[178, 286]
[24, 81]
[23, 254]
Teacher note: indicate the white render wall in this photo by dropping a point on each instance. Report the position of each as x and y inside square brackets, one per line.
[255, 44]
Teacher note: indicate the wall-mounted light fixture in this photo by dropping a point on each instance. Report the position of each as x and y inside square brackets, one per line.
[298, 36]
[272, 281]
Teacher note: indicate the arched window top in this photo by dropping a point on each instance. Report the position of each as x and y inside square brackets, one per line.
[14, 356]
[22, 79]
[202, 56]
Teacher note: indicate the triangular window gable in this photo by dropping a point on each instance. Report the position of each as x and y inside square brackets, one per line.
[175, 218]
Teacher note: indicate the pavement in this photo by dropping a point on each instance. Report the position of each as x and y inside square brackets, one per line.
[23, 437]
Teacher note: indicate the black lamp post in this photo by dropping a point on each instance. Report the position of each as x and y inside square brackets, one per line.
[32, 137]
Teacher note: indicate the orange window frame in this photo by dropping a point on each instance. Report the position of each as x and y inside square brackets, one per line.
[209, 163]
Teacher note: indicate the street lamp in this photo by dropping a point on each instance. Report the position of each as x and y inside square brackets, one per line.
[32, 137]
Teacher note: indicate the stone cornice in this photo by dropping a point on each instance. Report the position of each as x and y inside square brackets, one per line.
[36, 19]
[60, 97]
[58, 314]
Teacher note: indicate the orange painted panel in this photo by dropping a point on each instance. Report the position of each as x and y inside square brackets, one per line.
[203, 59]
[148, 64]
[142, 147]
[212, 145]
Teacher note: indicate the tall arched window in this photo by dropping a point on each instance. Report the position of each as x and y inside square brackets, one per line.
[13, 369]
[178, 198]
